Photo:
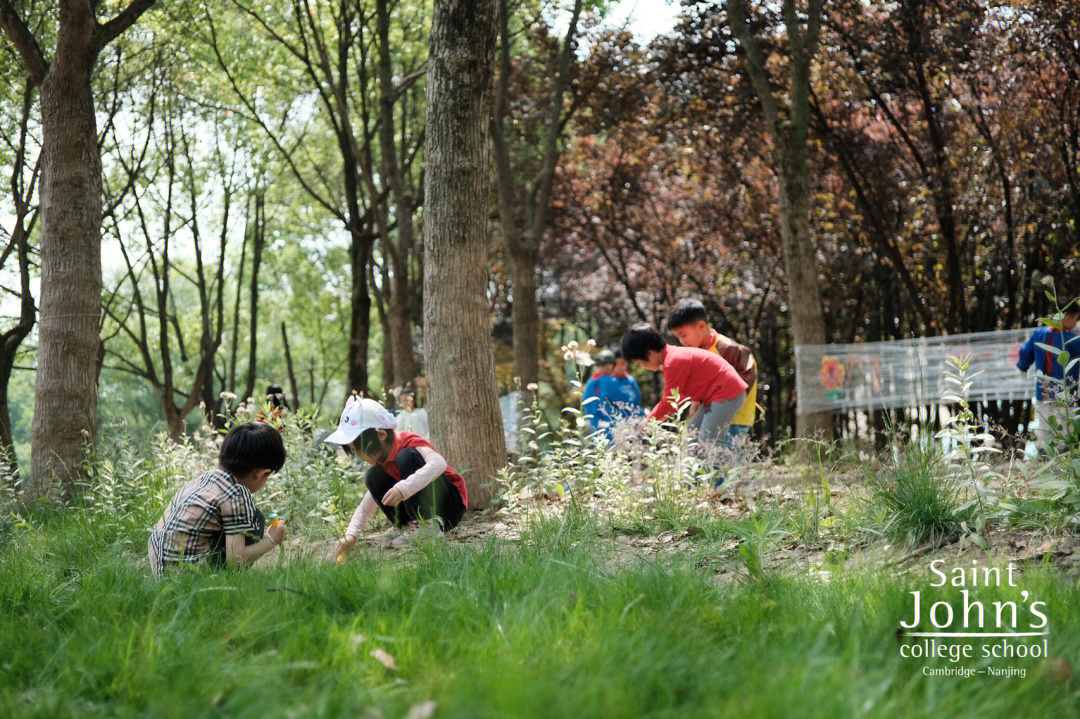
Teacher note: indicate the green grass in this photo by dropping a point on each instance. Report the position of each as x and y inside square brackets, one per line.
[543, 627]
[920, 501]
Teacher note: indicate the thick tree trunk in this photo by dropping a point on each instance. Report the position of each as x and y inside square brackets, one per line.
[525, 315]
[466, 422]
[65, 395]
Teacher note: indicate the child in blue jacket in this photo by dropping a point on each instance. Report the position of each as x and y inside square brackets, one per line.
[1053, 390]
[619, 397]
[590, 402]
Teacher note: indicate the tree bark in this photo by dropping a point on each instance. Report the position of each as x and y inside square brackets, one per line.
[359, 256]
[466, 422]
[69, 345]
[258, 241]
[289, 369]
[525, 314]
[789, 127]
[25, 218]
[399, 310]
[522, 241]
[65, 394]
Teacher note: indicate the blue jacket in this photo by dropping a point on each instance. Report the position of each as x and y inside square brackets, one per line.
[589, 403]
[1031, 354]
[620, 398]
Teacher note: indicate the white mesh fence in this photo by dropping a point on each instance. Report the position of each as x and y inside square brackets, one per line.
[908, 373]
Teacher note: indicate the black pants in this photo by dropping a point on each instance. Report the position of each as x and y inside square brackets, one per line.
[217, 554]
[439, 500]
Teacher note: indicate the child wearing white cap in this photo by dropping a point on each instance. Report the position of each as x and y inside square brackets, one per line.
[408, 479]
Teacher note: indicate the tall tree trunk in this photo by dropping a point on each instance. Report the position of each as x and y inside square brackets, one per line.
[789, 127]
[400, 310]
[359, 256]
[800, 264]
[65, 419]
[230, 379]
[69, 345]
[523, 242]
[386, 357]
[10, 342]
[21, 194]
[525, 314]
[289, 369]
[466, 422]
[258, 241]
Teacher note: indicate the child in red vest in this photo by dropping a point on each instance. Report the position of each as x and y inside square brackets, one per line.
[408, 480]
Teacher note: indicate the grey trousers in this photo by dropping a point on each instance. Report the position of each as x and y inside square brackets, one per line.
[711, 420]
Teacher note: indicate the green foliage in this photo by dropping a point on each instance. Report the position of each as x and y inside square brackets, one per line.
[917, 498]
[969, 449]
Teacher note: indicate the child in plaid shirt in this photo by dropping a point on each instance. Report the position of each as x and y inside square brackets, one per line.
[213, 519]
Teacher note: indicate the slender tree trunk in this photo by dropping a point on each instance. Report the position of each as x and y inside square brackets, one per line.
[399, 310]
[289, 368]
[13, 338]
[525, 314]
[258, 240]
[386, 357]
[359, 256]
[65, 396]
[800, 265]
[466, 422]
[230, 380]
[523, 243]
[788, 127]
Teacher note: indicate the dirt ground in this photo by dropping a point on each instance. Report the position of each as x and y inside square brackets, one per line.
[776, 489]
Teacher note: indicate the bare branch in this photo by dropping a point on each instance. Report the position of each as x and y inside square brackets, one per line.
[124, 19]
[24, 42]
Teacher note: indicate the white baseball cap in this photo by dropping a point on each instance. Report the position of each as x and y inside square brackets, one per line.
[360, 413]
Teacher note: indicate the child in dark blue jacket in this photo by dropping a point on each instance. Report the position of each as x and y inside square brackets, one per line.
[590, 402]
[1055, 392]
[619, 397]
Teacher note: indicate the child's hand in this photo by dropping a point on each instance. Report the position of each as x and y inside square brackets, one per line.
[393, 497]
[276, 532]
[345, 545]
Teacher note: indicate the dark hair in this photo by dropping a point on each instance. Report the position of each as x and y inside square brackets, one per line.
[687, 312]
[604, 357]
[639, 340]
[368, 442]
[251, 446]
[1073, 308]
[276, 397]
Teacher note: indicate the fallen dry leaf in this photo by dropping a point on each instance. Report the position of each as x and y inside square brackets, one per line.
[422, 710]
[385, 659]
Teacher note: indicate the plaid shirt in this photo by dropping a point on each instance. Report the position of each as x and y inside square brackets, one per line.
[197, 515]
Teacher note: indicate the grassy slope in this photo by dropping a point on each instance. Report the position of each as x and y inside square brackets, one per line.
[540, 627]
